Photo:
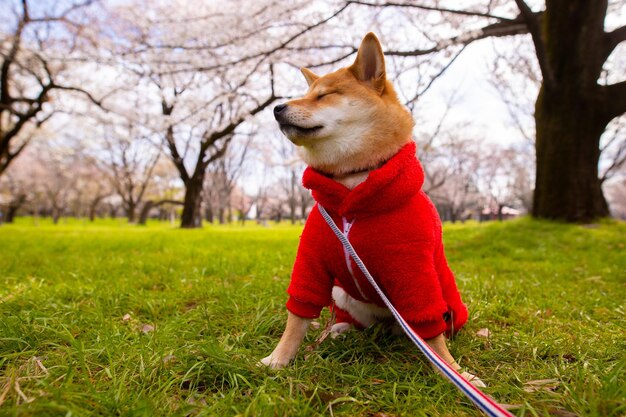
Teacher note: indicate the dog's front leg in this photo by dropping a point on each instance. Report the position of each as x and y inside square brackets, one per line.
[289, 343]
[438, 344]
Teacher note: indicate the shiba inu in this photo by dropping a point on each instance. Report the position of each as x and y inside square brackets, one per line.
[356, 138]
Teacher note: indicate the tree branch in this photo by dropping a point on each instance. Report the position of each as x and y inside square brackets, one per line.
[420, 93]
[614, 96]
[533, 22]
[79, 90]
[431, 8]
[267, 52]
[176, 158]
[513, 27]
[612, 39]
[147, 177]
[618, 160]
[9, 59]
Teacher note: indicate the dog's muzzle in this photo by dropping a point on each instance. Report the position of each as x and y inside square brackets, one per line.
[279, 113]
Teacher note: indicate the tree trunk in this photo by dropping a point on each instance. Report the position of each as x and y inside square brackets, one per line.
[14, 206]
[92, 212]
[303, 208]
[292, 198]
[145, 210]
[191, 217]
[292, 210]
[131, 210]
[93, 207]
[11, 212]
[571, 113]
[568, 149]
[208, 214]
[56, 215]
[150, 204]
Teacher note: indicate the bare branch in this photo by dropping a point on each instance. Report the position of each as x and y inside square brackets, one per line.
[533, 22]
[435, 77]
[431, 8]
[266, 52]
[79, 90]
[500, 29]
[619, 157]
[175, 155]
[614, 96]
[612, 39]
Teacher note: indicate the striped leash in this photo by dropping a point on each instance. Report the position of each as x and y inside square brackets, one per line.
[481, 400]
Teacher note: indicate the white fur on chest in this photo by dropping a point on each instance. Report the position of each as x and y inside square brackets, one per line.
[351, 181]
[365, 313]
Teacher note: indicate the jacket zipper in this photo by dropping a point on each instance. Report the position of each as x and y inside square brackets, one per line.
[346, 230]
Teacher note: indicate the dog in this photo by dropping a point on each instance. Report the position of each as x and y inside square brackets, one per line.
[356, 138]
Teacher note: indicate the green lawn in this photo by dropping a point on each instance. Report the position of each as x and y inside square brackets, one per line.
[111, 319]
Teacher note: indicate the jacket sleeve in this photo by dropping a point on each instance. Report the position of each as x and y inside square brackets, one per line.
[311, 283]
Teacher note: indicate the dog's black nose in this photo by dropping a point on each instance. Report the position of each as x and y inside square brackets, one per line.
[279, 109]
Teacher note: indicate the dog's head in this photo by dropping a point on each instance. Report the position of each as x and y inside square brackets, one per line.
[350, 119]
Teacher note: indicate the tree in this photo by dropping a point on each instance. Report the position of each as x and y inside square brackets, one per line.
[15, 190]
[163, 194]
[203, 88]
[503, 178]
[30, 73]
[130, 161]
[460, 159]
[59, 183]
[573, 107]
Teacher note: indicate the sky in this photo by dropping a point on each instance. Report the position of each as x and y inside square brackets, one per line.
[476, 100]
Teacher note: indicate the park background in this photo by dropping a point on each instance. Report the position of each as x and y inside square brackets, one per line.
[120, 122]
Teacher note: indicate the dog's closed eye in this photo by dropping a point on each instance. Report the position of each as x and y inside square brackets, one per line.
[326, 93]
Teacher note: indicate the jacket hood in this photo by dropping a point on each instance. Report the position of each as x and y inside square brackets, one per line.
[385, 188]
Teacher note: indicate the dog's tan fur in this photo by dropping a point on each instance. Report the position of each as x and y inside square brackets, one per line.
[347, 124]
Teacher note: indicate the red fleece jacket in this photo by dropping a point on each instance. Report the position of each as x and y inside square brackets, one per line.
[396, 231]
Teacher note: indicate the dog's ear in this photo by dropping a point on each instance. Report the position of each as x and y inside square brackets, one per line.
[369, 65]
[309, 75]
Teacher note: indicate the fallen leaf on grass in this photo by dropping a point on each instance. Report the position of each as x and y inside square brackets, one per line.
[484, 332]
[381, 415]
[568, 357]
[169, 358]
[194, 400]
[147, 328]
[323, 396]
[126, 317]
[541, 385]
[190, 305]
[376, 381]
[323, 335]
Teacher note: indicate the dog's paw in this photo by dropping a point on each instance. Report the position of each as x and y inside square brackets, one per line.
[339, 328]
[273, 362]
[474, 380]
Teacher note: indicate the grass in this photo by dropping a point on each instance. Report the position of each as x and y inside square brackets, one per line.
[108, 319]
